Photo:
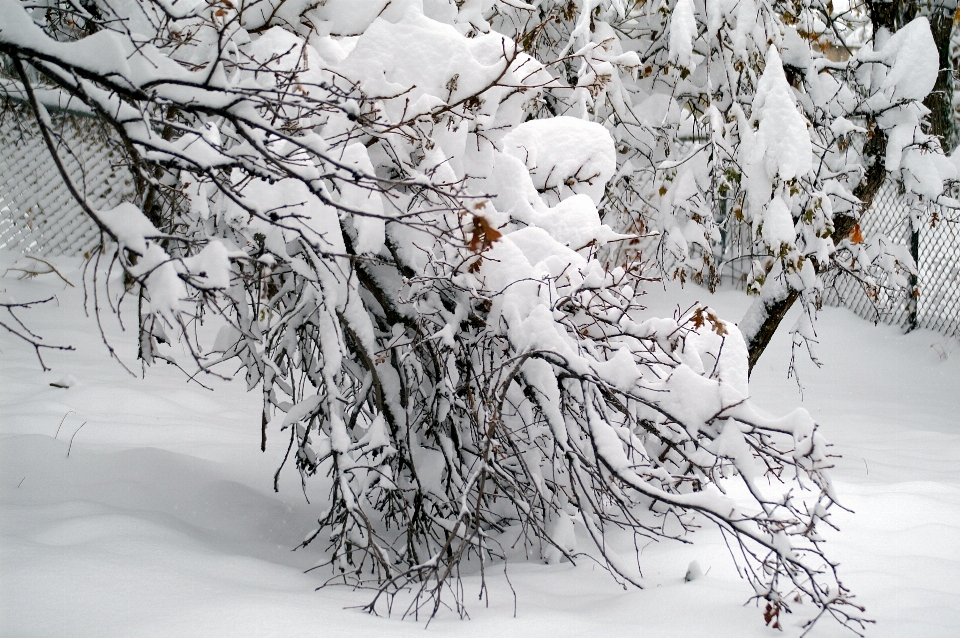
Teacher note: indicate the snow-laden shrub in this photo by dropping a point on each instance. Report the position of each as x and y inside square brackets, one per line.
[740, 141]
[397, 208]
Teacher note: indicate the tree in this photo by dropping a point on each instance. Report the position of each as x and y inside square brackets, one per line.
[896, 141]
[732, 122]
[941, 14]
[405, 246]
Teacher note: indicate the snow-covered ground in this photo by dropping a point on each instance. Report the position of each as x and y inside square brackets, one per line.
[162, 520]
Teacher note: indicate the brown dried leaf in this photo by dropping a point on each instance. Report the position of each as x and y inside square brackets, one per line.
[483, 234]
[856, 235]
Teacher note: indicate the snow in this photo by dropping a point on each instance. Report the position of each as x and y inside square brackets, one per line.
[129, 226]
[913, 53]
[783, 130]
[777, 227]
[162, 520]
[564, 152]
[441, 65]
[424, 78]
[794, 51]
[348, 17]
[211, 266]
[370, 227]
[683, 30]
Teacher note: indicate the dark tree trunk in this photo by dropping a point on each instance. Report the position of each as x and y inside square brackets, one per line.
[884, 15]
[940, 101]
[775, 310]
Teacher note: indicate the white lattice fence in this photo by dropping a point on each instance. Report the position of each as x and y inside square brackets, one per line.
[887, 217]
[37, 213]
[938, 269]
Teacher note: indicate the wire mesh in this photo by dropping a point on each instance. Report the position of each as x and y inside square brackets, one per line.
[890, 217]
[939, 300]
[938, 266]
[38, 215]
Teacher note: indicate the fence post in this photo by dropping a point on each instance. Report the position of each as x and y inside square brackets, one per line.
[913, 303]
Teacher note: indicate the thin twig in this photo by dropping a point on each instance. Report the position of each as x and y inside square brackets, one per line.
[61, 422]
[73, 437]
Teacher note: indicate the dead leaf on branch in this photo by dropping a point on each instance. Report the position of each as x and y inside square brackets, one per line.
[483, 234]
[703, 316]
[772, 615]
[856, 235]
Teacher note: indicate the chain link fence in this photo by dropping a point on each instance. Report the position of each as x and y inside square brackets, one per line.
[38, 215]
[937, 304]
[939, 278]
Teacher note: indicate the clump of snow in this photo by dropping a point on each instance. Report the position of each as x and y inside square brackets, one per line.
[69, 381]
[427, 62]
[129, 226]
[683, 30]
[694, 572]
[210, 267]
[369, 223]
[351, 18]
[793, 50]
[162, 280]
[783, 135]
[565, 155]
[563, 533]
[777, 225]
[915, 62]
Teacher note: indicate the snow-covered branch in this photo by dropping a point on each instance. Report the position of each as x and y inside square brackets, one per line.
[397, 211]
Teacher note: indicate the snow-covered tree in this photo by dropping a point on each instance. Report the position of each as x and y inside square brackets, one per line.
[765, 127]
[397, 211]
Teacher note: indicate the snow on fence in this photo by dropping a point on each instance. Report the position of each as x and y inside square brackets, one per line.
[938, 265]
[38, 216]
[939, 301]
[37, 213]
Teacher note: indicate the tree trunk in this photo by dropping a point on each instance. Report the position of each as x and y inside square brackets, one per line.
[940, 101]
[765, 315]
